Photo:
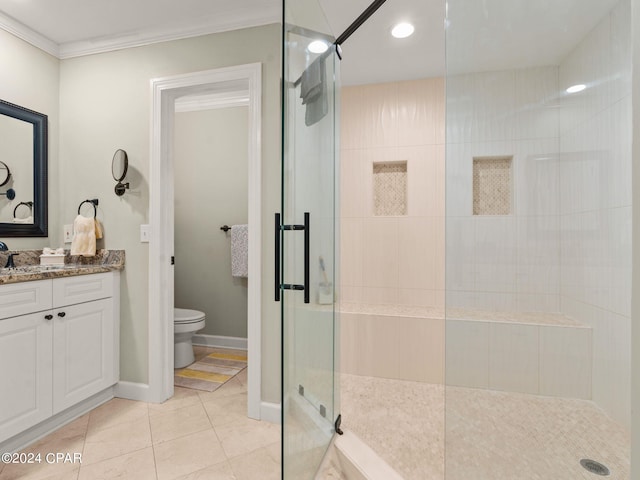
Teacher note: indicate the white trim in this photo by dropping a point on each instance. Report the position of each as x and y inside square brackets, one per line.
[220, 341]
[44, 428]
[271, 412]
[23, 32]
[212, 101]
[232, 21]
[133, 391]
[161, 203]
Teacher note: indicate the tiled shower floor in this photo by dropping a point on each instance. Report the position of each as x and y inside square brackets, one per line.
[489, 435]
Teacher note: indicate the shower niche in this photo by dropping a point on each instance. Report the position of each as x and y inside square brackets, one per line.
[390, 188]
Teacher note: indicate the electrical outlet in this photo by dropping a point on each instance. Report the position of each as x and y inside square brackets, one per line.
[68, 233]
[144, 233]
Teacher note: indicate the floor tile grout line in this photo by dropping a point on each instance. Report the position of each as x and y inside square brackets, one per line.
[153, 446]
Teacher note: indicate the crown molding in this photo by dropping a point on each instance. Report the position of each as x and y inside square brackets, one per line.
[30, 36]
[231, 21]
[151, 36]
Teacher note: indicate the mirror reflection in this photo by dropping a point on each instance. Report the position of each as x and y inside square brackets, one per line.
[16, 165]
[23, 172]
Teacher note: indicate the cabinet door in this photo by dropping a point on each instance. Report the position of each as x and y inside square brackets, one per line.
[83, 352]
[25, 376]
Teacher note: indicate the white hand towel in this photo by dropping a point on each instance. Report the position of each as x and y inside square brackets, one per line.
[84, 237]
[240, 251]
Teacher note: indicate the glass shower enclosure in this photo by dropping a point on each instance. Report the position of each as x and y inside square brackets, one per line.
[306, 233]
[496, 330]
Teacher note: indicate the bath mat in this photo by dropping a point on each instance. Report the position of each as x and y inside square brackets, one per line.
[211, 372]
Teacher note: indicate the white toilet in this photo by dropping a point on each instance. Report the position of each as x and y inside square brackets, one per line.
[185, 324]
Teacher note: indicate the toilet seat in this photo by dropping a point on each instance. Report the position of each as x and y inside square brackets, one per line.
[184, 316]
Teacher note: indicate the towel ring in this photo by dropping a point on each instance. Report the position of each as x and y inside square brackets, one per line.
[28, 204]
[94, 202]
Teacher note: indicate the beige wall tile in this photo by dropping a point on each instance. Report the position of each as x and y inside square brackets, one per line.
[351, 251]
[467, 353]
[352, 182]
[420, 349]
[513, 357]
[376, 295]
[421, 180]
[378, 120]
[380, 252]
[417, 251]
[419, 111]
[565, 362]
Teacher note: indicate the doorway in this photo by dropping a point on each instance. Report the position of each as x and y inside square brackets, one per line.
[225, 84]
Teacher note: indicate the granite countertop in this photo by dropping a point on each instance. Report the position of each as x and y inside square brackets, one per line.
[28, 266]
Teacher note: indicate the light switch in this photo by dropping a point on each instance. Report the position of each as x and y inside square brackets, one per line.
[67, 233]
[145, 233]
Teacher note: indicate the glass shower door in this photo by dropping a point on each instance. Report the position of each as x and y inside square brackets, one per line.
[307, 232]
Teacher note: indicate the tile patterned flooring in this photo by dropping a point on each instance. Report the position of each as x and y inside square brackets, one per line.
[206, 436]
[195, 435]
[489, 435]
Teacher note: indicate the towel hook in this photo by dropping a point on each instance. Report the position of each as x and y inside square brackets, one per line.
[28, 204]
[93, 201]
[225, 228]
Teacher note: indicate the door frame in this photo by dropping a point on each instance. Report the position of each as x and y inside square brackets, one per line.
[228, 81]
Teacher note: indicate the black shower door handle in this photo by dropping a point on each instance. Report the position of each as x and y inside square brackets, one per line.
[307, 239]
[277, 258]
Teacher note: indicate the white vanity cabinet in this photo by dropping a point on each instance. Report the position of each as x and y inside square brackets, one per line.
[58, 346]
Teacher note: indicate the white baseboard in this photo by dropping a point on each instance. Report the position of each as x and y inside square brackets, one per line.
[133, 391]
[220, 341]
[270, 412]
[51, 424]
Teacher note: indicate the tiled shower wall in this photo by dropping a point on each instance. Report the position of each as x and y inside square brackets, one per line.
[393, 254]
[595, 202]
[504, 262]
[397, 259]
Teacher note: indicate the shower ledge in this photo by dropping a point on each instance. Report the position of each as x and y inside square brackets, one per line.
[348, 457]
[459, 313]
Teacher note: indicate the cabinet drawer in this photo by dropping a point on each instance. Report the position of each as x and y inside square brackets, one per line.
[83, 288]
[25, 297]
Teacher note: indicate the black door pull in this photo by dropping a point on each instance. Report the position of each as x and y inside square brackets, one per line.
[307, 239]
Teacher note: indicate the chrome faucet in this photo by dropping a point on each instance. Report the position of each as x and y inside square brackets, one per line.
[3, 247]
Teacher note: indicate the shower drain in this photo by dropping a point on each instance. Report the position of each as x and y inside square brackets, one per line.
[594, 467]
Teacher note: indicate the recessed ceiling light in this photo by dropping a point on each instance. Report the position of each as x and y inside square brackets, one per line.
[402, 30]
[576, 88]
[318, 46]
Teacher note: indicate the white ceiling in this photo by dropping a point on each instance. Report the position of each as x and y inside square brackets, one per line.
[482, 34]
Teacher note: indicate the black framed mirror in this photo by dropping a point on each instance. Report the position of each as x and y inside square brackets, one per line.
[29, 165]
